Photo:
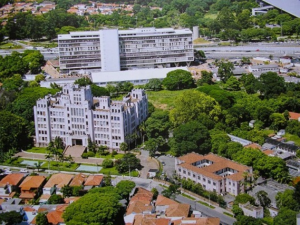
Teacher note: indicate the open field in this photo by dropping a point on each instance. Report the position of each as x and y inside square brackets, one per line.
[9, 45]
[45, 44]
[163, 99]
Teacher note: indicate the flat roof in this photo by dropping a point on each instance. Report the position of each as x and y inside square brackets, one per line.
[290, 6]
[130, 75]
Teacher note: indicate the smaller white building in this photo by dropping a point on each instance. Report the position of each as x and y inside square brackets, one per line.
[251, 210]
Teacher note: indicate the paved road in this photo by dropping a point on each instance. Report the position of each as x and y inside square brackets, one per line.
[147, 163]
[226, 220]
[169, 167]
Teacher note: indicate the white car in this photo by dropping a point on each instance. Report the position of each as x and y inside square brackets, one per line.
[7, 171]
[23, 171]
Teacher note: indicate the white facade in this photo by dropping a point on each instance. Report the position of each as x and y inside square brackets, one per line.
[112, 50]
[213, 172]
[75, 115]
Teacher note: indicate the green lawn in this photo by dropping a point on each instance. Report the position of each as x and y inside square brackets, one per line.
[201, 41]
[211, 15]
[10, 46]
[45, 44]
[38, 150]
[228, 214]
[206, 204]
[109, 156]
[187, 196]
[163, 99]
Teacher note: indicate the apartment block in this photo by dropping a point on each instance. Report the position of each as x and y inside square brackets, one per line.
[213, 172]
[76, 116]
[112, 50]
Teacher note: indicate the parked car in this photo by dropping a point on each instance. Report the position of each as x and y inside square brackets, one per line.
[7, 171]
[24, 171]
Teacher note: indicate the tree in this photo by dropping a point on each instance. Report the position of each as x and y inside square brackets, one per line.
[263, 199]
[171, 191]
[124, 147]
[271, 85]
[12, 217]
[84, 81]
[13, 83]
[107, 163]
[278, 121]
[287, 200]
[244, 198]
[206, 78]
[192, 105]
[14, 132]
[263, 113]
[105, 208]
[38, 165]
[124, 188]
[225, 70]
[99, 91]
[67, 191]
[232, 84]
[128, 162]
[285, 216]
[178, 79]
[157, 124]
[154, 192]
[191, 137]
[41, 219]
[154, 84]
[107, 180]
[56, 199]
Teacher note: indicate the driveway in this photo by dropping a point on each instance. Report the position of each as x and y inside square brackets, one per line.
[147, 163]
[169, 167]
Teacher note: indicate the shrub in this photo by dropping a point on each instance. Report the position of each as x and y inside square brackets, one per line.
[107, 163]
[88, 154]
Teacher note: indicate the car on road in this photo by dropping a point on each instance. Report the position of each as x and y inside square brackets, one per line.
[24, 171]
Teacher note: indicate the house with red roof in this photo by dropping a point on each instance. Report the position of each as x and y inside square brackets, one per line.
[9, 185]
[294, 116]
[31, 187]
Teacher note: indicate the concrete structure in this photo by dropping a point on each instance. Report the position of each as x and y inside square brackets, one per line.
[195, 32]
[251, 210]
[76, 116]
[136, 77]
[213, 172]
[112, 50]
[291, 7]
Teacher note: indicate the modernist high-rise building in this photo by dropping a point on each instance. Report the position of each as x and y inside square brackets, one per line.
[76, 116]
[115, 50]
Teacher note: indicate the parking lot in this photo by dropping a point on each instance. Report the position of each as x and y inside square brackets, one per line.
[169, 167]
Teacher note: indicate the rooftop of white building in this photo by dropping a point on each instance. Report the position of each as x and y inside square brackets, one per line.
[132, 75]
[290, 6]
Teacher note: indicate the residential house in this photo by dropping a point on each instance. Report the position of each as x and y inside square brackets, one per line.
[294, 116]
[31, 187]
[141, 202]
[55, 217]
[56, 182]
[213, 172]
[251, 210]
[9, 185]
[198, 221]
[78, 180]
[93, 181]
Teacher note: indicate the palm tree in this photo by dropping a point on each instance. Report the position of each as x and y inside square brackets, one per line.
[142, 130]
[38, 165]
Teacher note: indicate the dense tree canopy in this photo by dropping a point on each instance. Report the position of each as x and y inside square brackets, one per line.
[191, 105]
[191, 137]
[96, 207]
[179, 79]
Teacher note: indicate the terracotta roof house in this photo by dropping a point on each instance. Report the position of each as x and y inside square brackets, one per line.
[56, 182]
[55, 217]
[150, 220]
[178, 210]
[294, 116]
[9, 185]
[213, 172]
[78, 180]
[93, 181]
[137, 207]
[44, 198]
[31, 187]
[198, 221]
[142, 195]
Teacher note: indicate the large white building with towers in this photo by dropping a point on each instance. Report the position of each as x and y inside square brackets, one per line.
[111, 50]
[76, 116]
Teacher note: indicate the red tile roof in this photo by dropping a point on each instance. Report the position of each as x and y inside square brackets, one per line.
[94, 180]
[178, 210]
[55, 217]
[12, 179]
[161, 200]
[59, 179]
[294, 116]
[78, 180]
[32, 182]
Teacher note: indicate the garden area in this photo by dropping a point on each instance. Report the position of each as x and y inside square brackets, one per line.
[9, 45]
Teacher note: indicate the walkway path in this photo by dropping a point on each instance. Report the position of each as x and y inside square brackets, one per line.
[147, 163]
[41, 156]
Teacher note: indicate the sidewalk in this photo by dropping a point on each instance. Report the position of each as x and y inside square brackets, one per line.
[41, 156]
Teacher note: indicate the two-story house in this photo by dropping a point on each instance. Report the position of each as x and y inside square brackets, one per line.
[9, 185]
[31, 187]
[56, 182]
